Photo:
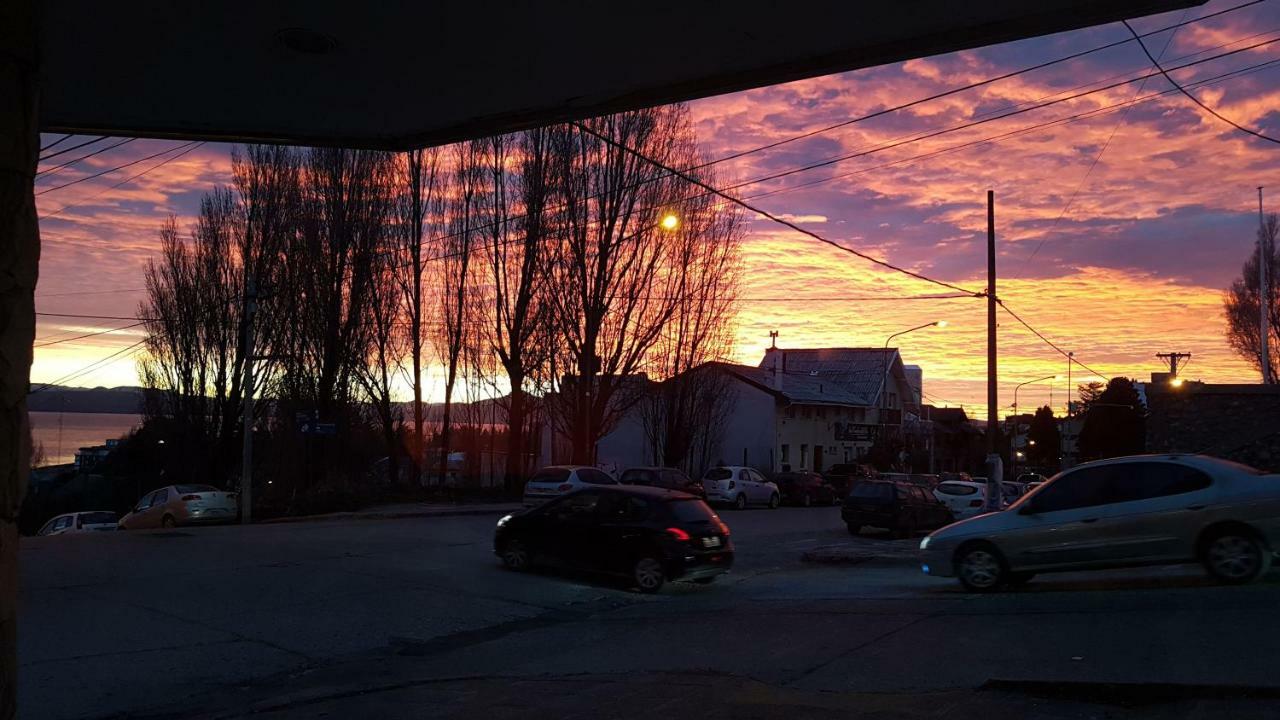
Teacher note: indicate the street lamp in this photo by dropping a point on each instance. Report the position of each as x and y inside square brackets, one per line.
[670, 221]
[1013, 456]
[884, 359]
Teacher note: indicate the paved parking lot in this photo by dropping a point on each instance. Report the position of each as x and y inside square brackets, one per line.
[291, 617]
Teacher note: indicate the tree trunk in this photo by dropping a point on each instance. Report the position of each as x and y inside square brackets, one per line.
[515, 437]
[19, 260]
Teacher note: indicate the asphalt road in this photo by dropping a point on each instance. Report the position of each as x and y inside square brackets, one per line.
[284, 619]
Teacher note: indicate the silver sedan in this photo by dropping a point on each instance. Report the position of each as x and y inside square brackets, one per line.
[1123, 512]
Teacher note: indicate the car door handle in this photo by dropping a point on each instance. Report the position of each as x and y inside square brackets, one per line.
[1089, 520]
[1195, 507]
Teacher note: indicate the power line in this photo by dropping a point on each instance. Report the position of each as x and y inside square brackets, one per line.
[1191, 97]
[1124, 116]
[122, 182]
[70, 149]
[1047, 341]
[111, 170]
[99, 151]
[86, 292]
[86, 335]
[57, 142]
[92, 317]
[96, 365]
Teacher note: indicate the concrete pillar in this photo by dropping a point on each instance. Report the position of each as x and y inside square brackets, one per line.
[19, 255]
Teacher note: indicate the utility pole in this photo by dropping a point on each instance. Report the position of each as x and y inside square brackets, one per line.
[1071, 359]
[995, 467]
[246, 460]
[1264, 295]
[1173, 358]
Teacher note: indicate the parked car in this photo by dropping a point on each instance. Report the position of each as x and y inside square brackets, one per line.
[1027, 478]
[739, 486]
[662, 477]
[804, 488]
[964, 499]
[924, 480]
[954, 477]
[555, 480]
[80, 522]
[1010, 492]
[841, 476]
[182, 505]
[900, 507]
[649, 535]
[1123, 512]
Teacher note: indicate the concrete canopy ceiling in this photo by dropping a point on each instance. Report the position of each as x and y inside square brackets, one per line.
[396, 75]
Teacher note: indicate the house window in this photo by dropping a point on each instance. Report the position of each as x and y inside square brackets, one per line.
[786, 452]
[804, 456]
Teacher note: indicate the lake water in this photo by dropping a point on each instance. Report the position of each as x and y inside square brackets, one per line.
[64, 433]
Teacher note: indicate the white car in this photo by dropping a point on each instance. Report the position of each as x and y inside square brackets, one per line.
[555, 480]
[964, 498]
[80, 522]
[739, 486]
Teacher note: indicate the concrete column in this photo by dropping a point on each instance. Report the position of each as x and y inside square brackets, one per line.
[19, 256]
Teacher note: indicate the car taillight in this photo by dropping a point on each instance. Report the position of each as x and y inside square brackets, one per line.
[678, 534]
[724, 529]
[566, 487]
[975, 503]
[189, 498]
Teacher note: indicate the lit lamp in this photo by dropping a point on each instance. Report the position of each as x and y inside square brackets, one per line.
[670, 222]
[1176, 382]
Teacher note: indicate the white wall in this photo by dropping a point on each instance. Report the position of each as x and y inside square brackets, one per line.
[750, 427]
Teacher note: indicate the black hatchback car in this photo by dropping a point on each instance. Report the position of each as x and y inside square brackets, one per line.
[804, 488]
[647, 535]
[903, 508]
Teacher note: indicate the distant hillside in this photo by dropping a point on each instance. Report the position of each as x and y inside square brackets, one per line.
[57, 398]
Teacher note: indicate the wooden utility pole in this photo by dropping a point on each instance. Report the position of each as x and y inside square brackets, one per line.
[995, 467]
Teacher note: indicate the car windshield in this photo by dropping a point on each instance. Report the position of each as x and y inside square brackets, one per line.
[691, 510]
[184, 489]
[98, 518]
[872, 491]
[718, 474]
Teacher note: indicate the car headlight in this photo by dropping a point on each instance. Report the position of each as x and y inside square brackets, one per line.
[504, 520]
[924, 544]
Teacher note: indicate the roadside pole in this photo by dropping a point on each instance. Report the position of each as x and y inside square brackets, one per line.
[994, 465]
[246, 459]
[1264, 296]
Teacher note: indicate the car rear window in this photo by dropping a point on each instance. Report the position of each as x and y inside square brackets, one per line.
[957, 489]
[550, 475]
[595, 477]
[718, 474]
[872, 491]
[98, 518]
[183, 489]
[691, 510]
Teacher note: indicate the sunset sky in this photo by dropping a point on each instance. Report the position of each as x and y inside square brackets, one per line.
[1117, 232]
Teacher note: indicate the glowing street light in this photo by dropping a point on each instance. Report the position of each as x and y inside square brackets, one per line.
[884, 358]
[1177, 382]
[670, 222]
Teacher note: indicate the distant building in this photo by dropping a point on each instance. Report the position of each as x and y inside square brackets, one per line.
[1236, 422]
[88, 458]
[797, 410]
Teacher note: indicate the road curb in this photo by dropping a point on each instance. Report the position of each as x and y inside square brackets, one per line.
[441, 512]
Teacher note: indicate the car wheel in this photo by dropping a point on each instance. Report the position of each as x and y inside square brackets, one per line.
[774, 501]
[854, 529]
[1235, 557]
[980, 568]
[648, 575]
[1017, 579]
[515, 556]
[168, 522]
[740, 502]
[806, 500]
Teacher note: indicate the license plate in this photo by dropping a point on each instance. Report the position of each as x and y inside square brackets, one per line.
[710, 542]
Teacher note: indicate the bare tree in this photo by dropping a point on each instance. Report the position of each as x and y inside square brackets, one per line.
[464, 217]
[421, 207]
[685, 413]
[1241, 302]
[516, 241]
[385, 343]
[615, 273]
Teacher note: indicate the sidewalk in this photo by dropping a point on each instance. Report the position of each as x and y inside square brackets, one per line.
[860, 550]
[408, 510]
